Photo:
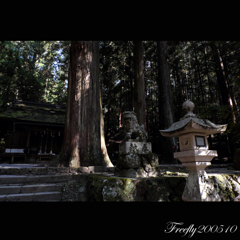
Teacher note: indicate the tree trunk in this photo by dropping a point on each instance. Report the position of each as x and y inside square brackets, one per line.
[82, 139]
[165, 103]
[207, 72]
[139, 84]
[226, 98]
[6, 98]
[64, 155]
[220, 77]
[130, 76]
[222, 81]
[199, 75]
[106, 160]
[225, 70]
[108, 123]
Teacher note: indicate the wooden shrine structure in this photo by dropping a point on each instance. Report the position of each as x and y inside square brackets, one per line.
[31, 131]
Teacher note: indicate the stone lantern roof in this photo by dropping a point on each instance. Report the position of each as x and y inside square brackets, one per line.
[191, 123]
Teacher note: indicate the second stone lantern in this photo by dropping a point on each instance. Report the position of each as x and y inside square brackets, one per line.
[194, 153]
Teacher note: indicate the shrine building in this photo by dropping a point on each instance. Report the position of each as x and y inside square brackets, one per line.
[31, 132]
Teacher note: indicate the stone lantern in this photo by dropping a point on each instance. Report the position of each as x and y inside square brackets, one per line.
[194, 153]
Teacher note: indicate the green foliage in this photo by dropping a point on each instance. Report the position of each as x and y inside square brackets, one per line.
[33, 71]
[116, 77]
[194, 75]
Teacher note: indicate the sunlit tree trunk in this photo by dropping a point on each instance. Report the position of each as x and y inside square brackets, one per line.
[106, 160]
[82, 140]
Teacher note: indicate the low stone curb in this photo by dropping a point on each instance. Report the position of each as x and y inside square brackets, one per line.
[22, 179]
[53, 170]
[42, 196]
[29, 188]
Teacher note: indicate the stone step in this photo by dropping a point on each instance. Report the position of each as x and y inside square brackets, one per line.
[13, 170]
[9, 169]
[20, 179]
[29, 188]
[36, 197]
[47, 196]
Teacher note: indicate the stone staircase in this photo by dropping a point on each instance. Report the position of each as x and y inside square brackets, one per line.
[37, 188]
[38, 183]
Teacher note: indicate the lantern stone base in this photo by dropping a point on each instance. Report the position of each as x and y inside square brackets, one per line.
[198, 186]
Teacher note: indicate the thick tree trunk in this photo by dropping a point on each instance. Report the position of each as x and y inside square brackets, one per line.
[165, 103]
[220, 78]
[82, 140]
[226, 98]
[139, 84]
[64, 156]
[225, 94]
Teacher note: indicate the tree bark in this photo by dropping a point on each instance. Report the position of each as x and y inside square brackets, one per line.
[106, 160]
[199, 75]
[226, 98]
[220, 78]
[130, 76]
[82, 139]
[207, 72]
[139, 84]
[225, 94]
[165, 103]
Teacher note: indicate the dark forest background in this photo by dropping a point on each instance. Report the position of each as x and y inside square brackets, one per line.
[206, 72]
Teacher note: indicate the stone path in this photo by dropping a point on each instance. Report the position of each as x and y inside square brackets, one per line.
[216, 168]
[213, 169]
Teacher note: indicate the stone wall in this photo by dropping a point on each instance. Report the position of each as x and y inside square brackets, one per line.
[102, 188]
[98, 187]
[88, 184]
[75, 189]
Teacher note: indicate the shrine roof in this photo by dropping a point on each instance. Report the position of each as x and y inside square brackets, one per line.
[35, 112]
[190, 123]
[193, 124]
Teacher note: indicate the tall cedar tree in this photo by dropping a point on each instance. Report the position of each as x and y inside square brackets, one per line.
[139, 85]
[225, 92]
[82, 141]
[165, 103]
[226, 96]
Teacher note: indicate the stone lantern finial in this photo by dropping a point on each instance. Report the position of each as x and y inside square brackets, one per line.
[189, 107]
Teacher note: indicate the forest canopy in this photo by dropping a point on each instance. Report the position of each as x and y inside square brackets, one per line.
[33, 71]
[206, 72]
